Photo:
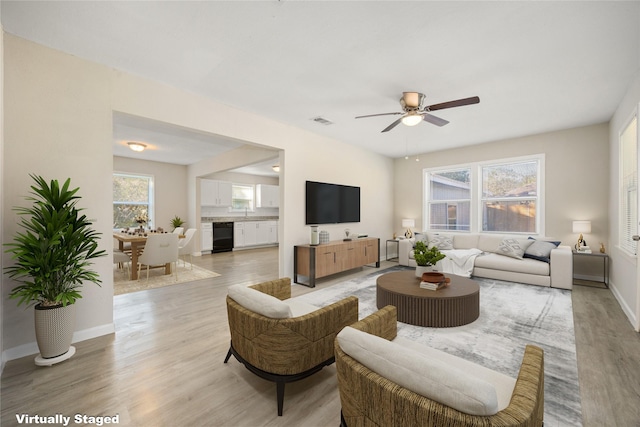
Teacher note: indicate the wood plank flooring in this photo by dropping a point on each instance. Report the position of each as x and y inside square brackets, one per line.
[164, 365]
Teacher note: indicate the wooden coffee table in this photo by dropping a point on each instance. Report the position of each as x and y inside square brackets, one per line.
[455, 305]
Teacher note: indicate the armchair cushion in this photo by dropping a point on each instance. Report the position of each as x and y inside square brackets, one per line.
[427, 376]
[259, 302]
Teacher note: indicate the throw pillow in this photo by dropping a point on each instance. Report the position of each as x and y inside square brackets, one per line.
[441, 242]
[513, 248]
[421, 237]
[540, 250]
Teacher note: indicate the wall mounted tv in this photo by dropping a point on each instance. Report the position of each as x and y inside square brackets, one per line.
[331, 203]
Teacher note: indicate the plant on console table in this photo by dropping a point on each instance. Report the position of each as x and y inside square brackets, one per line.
[53, 258]
[426, 258]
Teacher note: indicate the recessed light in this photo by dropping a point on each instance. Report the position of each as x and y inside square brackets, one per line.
[136, 146]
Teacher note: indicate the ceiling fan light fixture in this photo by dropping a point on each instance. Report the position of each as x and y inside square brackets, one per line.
[136, 146]
[411, 119]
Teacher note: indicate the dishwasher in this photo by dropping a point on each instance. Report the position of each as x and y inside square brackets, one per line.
[222, 237]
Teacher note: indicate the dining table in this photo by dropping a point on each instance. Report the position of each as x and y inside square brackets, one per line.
[137, 241]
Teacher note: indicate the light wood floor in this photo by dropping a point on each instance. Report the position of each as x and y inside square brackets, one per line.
[164, 365]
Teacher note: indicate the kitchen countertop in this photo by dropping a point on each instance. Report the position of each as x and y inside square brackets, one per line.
[238, 218]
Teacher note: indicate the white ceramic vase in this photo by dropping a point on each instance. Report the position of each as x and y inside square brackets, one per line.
[423, 269]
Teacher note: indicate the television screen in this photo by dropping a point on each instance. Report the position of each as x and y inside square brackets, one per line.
[331, 203]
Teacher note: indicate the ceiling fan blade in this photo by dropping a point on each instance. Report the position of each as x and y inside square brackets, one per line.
[433, 119]
[375, 115]
[451, 104]
[392, 125]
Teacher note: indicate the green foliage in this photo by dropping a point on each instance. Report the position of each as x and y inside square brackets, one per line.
[54, 252]
[425, 257]
[177, 222]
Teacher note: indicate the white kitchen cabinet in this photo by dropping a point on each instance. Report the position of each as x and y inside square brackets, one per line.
[215, 193]
[272, 227]
[238, 235]
[267, 196]
[206, 240]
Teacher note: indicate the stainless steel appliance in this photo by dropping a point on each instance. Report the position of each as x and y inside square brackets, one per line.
[222, 237]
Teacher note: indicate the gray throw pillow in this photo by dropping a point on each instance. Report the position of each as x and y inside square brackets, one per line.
[540, 250]
[441, 242]
[514, 248]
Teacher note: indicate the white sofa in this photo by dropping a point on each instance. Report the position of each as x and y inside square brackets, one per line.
[491, 264]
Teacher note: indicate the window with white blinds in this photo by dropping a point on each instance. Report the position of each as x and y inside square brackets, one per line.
[629, 186]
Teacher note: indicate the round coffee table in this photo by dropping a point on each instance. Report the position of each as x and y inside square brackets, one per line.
[455, 305]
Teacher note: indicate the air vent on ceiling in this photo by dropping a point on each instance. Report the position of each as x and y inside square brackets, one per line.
[322, 121]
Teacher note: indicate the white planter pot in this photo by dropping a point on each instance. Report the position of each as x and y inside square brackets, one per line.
[421, 269]
[54, 329]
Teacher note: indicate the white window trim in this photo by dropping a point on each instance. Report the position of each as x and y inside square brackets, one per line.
[623, 248]
[253, 188]
[476, 193]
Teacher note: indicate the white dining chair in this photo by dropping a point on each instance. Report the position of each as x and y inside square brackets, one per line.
[159, 250]
[178, 230]
[122, 259]
[186, 246]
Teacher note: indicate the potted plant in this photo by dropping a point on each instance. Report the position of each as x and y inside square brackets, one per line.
[426, 258]
[53, 256]
[176, 222]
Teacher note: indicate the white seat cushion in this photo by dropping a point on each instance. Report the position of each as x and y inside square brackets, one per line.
[505, 263]
[427, 376]
[259, 302]
[504, 384]
[300, 308]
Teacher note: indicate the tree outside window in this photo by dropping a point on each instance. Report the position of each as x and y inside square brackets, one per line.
[132, 198]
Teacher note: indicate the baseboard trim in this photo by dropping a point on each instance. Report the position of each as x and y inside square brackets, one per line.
[625, 308]
[31, 348]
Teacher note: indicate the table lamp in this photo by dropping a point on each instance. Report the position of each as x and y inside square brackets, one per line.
[408, 223]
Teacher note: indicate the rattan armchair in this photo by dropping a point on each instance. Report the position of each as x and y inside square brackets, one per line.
[286, 350]
[369, 399]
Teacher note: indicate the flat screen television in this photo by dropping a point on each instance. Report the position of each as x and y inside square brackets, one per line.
[331, 203]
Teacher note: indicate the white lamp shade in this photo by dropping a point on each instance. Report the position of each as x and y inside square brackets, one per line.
[582, 226]
[408, 223]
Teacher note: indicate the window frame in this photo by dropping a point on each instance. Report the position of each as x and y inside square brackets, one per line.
[475, 213]
[627, 226]
[151, 199]
[252, 201]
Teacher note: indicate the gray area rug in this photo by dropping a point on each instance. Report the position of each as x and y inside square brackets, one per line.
[511, 316]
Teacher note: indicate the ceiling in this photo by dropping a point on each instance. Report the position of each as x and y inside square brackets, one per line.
[536, 66]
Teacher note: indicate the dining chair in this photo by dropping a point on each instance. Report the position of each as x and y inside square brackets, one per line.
[160, 249]
[186, 246]
[122, 259]
[178, 230]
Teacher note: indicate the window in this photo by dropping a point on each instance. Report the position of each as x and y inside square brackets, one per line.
[629, 186]
[242, 197]
[132, 198]
[450, 200]
[501, 197]
[509, 197]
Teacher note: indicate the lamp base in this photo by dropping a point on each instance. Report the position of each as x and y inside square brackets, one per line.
[408, 234]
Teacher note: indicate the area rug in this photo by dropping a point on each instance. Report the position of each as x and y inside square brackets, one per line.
[511, 316]
[157, 279]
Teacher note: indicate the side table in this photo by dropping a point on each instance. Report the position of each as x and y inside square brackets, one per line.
[386, 249]
[605, 263]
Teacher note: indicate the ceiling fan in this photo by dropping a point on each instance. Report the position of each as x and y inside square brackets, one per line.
[413, 111]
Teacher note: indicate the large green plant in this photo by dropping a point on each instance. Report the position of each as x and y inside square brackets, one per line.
[425, 257]
[54, 252]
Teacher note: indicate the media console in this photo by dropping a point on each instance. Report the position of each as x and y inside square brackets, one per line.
[316, 261]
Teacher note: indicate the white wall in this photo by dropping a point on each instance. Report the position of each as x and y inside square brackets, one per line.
[576, 185]
[59, 122]
[624, 283]
[170, 188]
[1, 185]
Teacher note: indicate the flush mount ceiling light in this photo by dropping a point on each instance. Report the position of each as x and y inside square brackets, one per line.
[136, 146]
[276, 168]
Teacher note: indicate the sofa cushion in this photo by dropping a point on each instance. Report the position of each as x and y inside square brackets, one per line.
[259, 302]
[541, 249]
[441, 241]
[427, 376]
[499, 262]
[465, 241]
[421, 237]
[513, 248]
[489, 242]
[300, 308]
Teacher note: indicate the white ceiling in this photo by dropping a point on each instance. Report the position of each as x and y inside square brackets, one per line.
[536, 66]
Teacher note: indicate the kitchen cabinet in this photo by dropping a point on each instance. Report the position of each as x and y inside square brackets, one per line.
[255, 233]
[215, 193]
[267, 196]
[206, 240]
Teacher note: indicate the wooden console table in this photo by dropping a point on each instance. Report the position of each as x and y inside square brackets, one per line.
[316, 261]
